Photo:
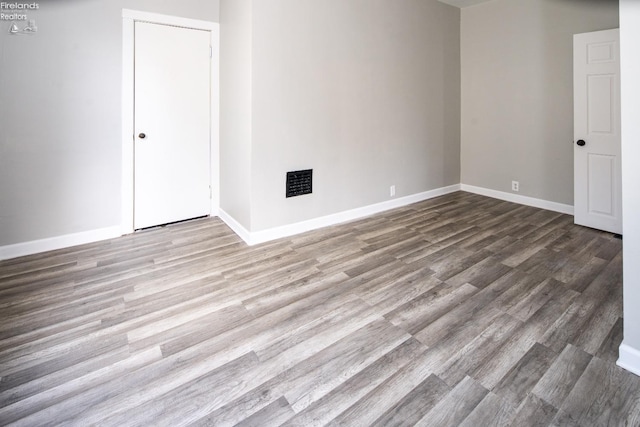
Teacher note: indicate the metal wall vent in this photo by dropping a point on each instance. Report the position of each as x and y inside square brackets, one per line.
[299, 182]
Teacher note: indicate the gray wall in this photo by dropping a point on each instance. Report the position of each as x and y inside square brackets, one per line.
[60, 116]
[235, 112]
[364, 92]
[517, 92]
[630, 73]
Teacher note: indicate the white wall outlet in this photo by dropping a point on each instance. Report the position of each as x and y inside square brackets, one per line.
[515, 186]
[392, 191]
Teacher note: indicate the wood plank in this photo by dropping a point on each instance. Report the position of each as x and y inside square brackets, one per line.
[375, 403]
[342, 397]
[274, 414]
[414, 405]
[474, 354]
[532, 300]
[507, 355]
[534, 412]
[491, 411]
[575, 320]
[42, 408]
[561, 377]
[608, 350]
[604, 395]
[426, 308]
[456, 405]
[517, 384]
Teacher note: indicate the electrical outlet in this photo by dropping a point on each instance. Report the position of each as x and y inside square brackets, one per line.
[392, 191]
[515, 186]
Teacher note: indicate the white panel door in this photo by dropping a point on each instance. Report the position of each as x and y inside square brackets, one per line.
[597, 174]
[172, 124]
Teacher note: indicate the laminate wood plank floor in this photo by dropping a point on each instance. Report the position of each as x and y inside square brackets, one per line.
[459, 310]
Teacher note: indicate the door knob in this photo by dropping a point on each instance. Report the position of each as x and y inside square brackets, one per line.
[581, 143]
[142, 136]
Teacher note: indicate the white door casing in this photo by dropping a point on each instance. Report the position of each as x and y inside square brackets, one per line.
[597, 142]
[129, 133]
[171, 160]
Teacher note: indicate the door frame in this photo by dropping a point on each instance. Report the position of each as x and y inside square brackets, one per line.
[129, 18]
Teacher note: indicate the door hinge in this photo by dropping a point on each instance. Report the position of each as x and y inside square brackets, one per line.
[210, 52]
[210, 193]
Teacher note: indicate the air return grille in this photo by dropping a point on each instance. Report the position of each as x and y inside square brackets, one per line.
[299, 182]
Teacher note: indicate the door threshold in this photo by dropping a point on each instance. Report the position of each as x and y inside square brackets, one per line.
[182, 221]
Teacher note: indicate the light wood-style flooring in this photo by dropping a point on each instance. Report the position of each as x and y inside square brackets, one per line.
[460, 310]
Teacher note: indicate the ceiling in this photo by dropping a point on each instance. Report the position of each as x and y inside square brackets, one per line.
[463, 3]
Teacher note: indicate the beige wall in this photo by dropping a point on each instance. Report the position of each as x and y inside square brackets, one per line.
[364, 92]
[517, 92]
[60, 116]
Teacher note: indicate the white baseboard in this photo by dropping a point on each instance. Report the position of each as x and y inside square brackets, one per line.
[59, 242]
[254, 238]
[262, 236]
[629, 359]
[237, 228]
[516, 198]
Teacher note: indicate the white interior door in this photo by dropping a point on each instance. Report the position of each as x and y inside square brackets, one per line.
[172, 124]
[597, 174]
